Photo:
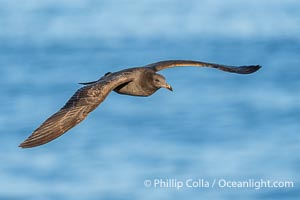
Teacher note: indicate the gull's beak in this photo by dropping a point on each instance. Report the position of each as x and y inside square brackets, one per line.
[169, 87]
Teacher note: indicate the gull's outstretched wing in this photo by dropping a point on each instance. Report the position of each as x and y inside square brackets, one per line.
[85, 100]
[185, 63]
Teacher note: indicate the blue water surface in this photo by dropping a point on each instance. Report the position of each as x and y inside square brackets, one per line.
[214, 125]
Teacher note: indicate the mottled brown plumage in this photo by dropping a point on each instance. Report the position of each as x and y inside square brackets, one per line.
[139, 81]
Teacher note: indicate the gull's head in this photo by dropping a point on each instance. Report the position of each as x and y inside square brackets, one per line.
[160, 82]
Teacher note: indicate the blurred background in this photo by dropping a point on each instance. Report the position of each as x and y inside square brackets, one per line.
[214, 125]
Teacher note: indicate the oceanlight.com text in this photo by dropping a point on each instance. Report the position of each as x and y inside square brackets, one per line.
[256, 184]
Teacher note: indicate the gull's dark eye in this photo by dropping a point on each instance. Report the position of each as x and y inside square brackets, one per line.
[156, 80]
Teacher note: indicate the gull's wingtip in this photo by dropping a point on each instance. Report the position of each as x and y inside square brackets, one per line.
[28, 143]
[23, 145]
[256, 67]
[249, 69]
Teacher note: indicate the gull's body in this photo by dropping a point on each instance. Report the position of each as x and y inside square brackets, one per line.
[138, 81]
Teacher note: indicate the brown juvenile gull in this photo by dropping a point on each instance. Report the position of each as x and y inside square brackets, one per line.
[137, 81]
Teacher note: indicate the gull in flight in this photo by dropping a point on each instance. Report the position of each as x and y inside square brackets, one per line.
[137, 81]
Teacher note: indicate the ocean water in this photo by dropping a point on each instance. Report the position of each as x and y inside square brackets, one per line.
[214, 127]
